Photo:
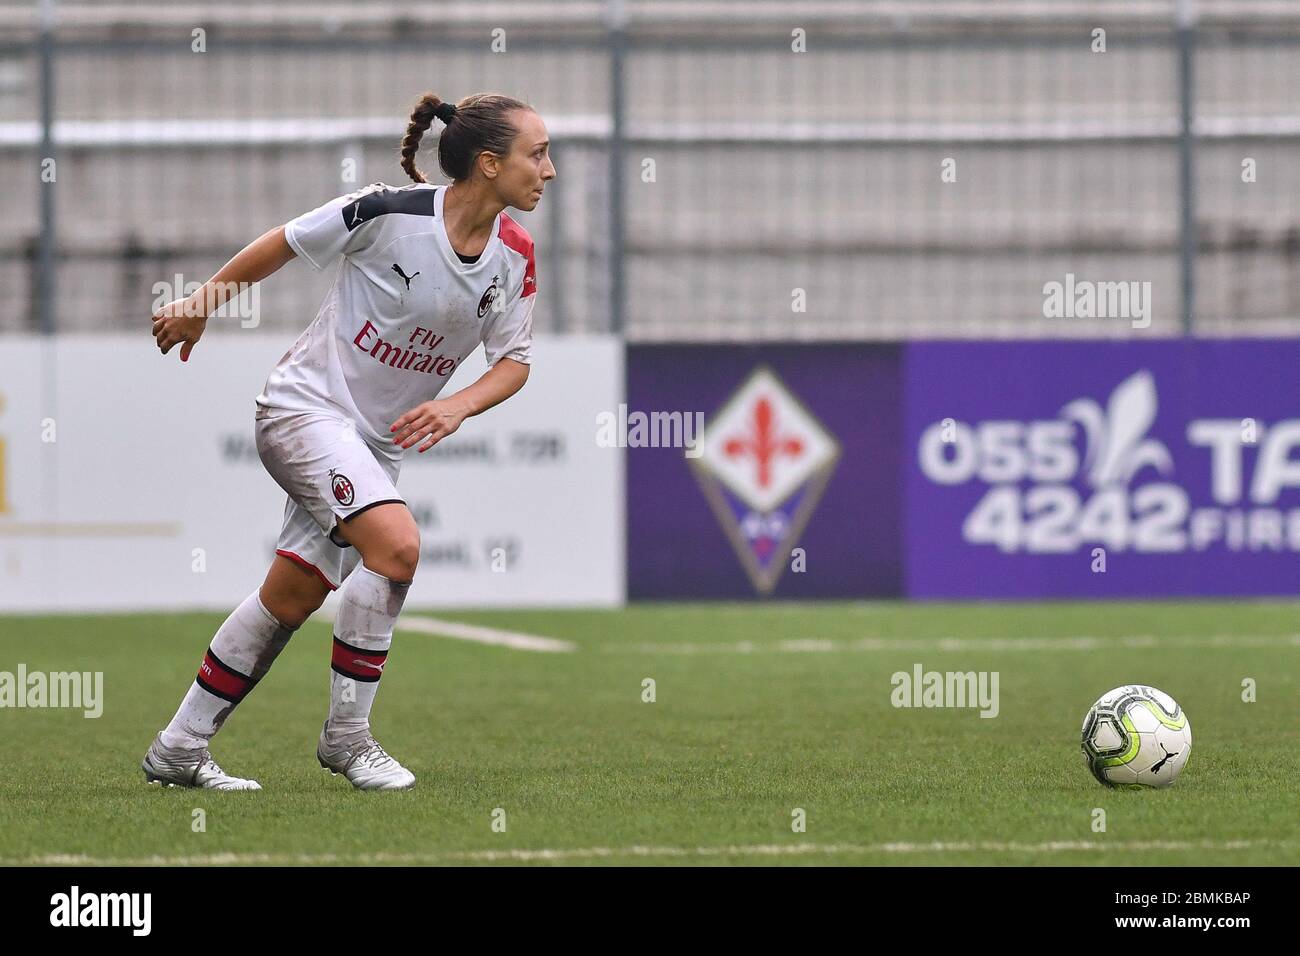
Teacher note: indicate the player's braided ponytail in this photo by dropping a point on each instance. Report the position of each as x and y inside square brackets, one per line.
[479, 123]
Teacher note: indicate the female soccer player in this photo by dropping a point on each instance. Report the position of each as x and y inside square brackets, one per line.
[427, 274]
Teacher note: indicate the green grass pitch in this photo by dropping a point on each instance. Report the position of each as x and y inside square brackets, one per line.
[760, 709]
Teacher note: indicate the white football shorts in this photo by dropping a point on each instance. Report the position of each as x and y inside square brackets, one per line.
[329, 472]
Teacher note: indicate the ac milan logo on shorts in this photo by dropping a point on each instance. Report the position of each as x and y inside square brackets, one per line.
[341, 485]
[489, 297]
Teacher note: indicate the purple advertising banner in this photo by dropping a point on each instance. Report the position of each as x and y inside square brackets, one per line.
[1097, 469]
[768, 470]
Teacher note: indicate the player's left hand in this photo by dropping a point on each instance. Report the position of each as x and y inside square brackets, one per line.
[430, 422]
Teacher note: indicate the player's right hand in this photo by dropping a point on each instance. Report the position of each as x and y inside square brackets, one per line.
[178, 322]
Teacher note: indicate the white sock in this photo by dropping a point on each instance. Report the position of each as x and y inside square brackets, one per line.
[363, 632]
[241, 653]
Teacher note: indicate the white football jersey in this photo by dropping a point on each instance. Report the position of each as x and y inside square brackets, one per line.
[404, 310]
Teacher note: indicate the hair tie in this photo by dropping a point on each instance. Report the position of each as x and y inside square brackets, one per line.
[445, 111]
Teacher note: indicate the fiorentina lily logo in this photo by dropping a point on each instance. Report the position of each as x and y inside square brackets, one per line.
[1117, 442]
[764, 464]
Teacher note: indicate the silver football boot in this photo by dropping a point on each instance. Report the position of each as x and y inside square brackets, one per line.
[366, 765]
[176, 767]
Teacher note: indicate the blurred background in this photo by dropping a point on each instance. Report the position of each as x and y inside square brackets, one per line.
[835, 221]
[772, 169]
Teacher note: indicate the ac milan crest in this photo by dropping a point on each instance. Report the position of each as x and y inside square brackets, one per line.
[489, 297]
[764, 464]
[341, 485]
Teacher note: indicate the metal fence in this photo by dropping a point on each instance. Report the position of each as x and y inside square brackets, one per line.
[727, 170]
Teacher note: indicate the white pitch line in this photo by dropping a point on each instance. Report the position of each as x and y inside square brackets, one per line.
[466, 632]
[483, 635]
[822, 645]
[670, 852]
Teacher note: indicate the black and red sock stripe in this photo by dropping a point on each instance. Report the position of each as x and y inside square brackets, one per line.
[357, 663]
[219, 678]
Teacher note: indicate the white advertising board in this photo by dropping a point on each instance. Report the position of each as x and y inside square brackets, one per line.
[129, 480]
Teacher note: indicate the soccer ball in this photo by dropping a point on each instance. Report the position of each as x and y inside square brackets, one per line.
[1136, 737]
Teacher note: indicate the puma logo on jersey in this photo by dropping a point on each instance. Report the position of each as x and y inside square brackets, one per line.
[356, 213]
[398, 270]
